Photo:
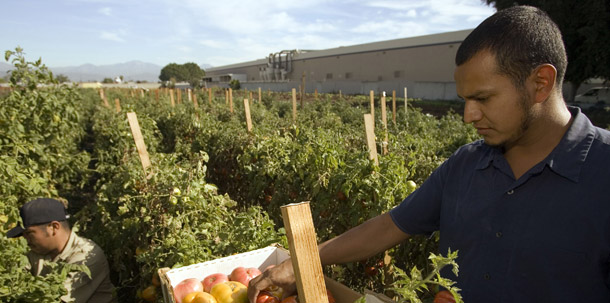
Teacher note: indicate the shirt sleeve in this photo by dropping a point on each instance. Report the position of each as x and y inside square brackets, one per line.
[97, 288]
[419, 213]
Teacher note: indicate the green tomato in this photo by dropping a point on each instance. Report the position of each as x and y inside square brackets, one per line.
[411, 185]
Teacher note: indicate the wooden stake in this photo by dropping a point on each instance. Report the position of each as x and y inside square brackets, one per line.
[139, 140]
[304, 253]
[372, 95]
[370, 137]
[157, 94]
[303, 89]
[117, 105]
[231, 100]
[294, 105]
[248, 119]
[260, 99]
[250, 99]
[179, 96]
[104, 99]
[142, 93]
[340, 97]
[394, 106]
[384, 120]
[210, 96]
[171, 98]
[227, 97]
[195, 101]
[189, 93]
[406, 103]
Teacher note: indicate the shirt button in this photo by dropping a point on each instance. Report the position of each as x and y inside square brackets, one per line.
[499, 234]
[486, 277]
[510, 192]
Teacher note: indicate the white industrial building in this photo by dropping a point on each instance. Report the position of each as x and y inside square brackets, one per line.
[423, 64]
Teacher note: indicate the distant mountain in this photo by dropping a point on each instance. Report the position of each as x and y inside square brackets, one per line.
[4, 67]
[131, 71]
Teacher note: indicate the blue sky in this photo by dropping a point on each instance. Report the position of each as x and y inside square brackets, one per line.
[75, 32]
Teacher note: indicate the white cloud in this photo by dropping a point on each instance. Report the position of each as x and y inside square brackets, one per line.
[116, 36]
[184, 48]
[212, 43]
[106, 11]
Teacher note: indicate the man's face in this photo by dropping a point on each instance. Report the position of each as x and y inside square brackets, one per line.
[494, 105]
[40, 238]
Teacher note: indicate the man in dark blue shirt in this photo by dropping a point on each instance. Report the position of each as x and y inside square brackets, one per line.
[528, 207]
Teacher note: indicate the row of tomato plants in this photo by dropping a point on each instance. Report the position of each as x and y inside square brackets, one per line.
[55, 141]
[321, 158]
[60, 141]
[40, 155]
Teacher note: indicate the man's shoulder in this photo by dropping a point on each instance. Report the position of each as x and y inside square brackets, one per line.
[603, 136]
[474, 149]
[84, 248]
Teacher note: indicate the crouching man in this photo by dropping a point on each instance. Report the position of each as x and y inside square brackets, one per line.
[50, 239]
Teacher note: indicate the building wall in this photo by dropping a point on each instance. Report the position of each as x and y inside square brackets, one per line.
[424, 65]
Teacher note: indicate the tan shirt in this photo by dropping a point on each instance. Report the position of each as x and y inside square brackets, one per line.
[81, 288]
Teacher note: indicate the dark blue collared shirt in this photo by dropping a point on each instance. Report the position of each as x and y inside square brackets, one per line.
[542, 238]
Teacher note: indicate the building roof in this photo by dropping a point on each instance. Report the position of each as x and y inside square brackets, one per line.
[419, 41]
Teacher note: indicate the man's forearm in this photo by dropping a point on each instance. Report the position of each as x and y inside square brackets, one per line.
[363, 241]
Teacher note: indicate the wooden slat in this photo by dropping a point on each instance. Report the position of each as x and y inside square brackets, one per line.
[305, 257]
[372, 97]
[117, 105]
[294, 105]
[370, 137]
[248, 119]
[139, 140]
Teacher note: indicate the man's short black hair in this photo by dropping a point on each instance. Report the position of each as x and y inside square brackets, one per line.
[521, 38]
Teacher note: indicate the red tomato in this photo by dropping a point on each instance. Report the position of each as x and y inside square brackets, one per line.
[444, 296]
[291, 299]
[294, 299]
[370, 270]
[266, 297]
[331, 298]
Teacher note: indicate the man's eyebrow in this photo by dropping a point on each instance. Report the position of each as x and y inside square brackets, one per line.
[476, 94]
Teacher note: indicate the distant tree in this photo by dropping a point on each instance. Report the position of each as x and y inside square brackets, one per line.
[193, 74]
[585, 26]
[62, 78]
[234, 84]
[189, 72]
[107, 80]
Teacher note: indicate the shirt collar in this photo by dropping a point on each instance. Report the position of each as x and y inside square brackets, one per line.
[68, 249]
[570, 154]
[567, 157]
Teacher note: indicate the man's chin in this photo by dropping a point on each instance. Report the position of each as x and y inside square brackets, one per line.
[492, 143]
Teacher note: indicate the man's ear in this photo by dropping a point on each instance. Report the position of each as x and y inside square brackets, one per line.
[544, 77]
[55, 226]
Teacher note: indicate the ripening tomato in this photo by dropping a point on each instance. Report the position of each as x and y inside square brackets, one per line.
[230, 292]
[266, 297]
[291, 299]
[274, 290]
[294, 299]
[444, 296]
[149, 294]
[370, 270]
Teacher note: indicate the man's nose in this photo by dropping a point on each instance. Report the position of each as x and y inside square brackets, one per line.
[472, 112]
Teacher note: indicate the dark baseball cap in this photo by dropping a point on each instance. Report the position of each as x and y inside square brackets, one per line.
[39, 211]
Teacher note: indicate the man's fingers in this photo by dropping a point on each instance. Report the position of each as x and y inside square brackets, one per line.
[256, 285]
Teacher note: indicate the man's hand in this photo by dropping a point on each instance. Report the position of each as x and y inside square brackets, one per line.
[281, 275]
